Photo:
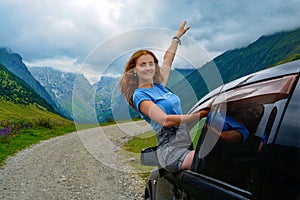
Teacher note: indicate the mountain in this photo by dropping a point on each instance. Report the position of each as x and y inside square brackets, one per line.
[75, 97]
[110, 104]
[177, 75]
[13, 62]
[104, 90]
[15, 90]
[78, 100]
[71, 92]
[267, 51]
[19, 102]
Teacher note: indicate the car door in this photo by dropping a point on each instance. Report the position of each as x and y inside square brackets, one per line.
[282, 177]
[223, 169]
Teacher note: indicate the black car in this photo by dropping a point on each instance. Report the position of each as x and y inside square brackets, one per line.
[265, 165]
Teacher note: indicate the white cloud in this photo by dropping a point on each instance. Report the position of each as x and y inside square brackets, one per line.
[63, 64]
[42, 29]
[72, 31]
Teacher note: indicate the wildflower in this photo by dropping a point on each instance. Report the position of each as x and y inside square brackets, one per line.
[5, 132]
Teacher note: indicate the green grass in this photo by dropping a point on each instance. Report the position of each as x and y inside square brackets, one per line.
[27, 137]
[139, 142]
[134, 147]
[44, 125]
[12, 112]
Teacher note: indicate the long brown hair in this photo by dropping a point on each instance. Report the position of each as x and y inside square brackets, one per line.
[129, 82]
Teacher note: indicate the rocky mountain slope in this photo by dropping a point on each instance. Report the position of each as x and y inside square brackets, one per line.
[13, 62]
[60, 85]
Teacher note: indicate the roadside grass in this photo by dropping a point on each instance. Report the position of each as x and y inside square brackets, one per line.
[132, 149]
[16, 141]
[24, 126]
[44, 129]
[21, 126]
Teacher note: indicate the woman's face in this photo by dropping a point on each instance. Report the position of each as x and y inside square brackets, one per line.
[145, 69]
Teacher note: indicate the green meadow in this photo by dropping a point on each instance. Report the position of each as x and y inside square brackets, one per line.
[24, 125]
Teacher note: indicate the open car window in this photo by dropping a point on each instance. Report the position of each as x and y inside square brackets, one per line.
[241, 125]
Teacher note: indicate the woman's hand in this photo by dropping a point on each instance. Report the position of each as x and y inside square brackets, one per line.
[204, 113]
[182, 29]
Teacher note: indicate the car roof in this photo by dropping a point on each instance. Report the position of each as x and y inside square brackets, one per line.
[270, 73]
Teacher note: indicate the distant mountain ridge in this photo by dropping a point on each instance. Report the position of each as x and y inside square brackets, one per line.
[60, 86]
[104, 90]
[265, 52]
[13, 62]
[15, 90]
[103, 102]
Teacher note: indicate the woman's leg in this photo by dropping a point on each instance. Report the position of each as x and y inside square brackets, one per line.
[187, 162]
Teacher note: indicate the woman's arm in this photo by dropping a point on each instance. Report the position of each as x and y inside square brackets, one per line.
[152, 111]
[170, 54]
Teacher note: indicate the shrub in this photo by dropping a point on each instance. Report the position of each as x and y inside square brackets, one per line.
[43, 122]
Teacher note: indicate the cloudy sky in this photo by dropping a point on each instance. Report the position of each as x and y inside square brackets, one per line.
[74, 34]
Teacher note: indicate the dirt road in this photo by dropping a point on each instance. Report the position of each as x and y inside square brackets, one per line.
[80, 165]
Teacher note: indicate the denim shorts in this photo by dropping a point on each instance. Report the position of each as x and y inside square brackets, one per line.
[174, 143]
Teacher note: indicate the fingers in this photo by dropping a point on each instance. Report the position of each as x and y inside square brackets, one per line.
[183, 23]
[203, 113]
[182, 29]
[183, 26]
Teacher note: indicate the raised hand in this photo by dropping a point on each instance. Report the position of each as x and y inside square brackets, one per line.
[182, 29]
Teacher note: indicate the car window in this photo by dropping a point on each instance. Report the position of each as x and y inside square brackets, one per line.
[241, 123]
[195, 131]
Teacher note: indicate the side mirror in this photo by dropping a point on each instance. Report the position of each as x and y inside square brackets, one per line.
[149, 157]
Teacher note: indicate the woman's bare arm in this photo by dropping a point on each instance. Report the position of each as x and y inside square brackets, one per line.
[152, 111]
[170, 54]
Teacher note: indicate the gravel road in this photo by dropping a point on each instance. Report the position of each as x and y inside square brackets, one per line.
[80, 165]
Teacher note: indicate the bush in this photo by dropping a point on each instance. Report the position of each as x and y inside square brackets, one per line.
[9, 129]
[43, 122]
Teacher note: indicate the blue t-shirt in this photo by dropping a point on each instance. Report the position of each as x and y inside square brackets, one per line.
[226, 122]
[166, 100]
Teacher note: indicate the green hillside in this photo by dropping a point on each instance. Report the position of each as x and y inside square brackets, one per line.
[266, 52]
[16, 112]
[15, 90]
[18, 101]
[25, 117]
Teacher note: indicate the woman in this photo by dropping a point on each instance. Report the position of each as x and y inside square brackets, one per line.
[143, 86]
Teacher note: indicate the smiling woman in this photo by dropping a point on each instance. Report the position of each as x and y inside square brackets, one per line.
[143, 85]
[145, 69]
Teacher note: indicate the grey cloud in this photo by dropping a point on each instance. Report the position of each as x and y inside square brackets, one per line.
[55, 29]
